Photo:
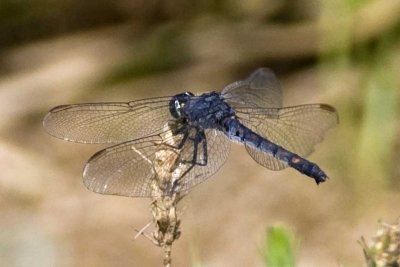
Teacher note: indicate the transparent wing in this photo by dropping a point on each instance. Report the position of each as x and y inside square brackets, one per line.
[266, 160]
[108, 122]
[260, 90]
[132, 168]
[297, 129]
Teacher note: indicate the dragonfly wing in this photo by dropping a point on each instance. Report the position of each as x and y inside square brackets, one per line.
[125, 169]
[108, 122]
[260, 90]
[266, 160]
[134, 168]
[297, 129]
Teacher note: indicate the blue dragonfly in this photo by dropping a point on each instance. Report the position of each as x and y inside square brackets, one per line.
[198, 128]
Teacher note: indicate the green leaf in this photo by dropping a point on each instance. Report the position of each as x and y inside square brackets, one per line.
[278, 250]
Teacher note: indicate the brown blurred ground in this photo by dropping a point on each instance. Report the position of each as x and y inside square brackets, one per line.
[345, 53]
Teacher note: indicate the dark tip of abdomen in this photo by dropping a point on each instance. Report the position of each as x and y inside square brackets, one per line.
[308, 168]
[319, 175]
[321, 179]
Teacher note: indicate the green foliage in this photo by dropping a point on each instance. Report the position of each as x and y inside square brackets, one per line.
[369, 113]
[279, 248]
[379, 127]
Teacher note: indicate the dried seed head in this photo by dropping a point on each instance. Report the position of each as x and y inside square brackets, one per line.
[384, 248]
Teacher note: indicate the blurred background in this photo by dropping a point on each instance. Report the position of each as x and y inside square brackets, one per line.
[342, 52]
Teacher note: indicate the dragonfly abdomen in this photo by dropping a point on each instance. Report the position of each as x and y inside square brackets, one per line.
[308, 168]
[293, 160]
[240, 133]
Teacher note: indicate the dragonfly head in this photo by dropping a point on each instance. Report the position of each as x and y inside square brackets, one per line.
[178, 102]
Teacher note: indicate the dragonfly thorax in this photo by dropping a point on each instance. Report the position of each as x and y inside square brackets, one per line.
[204, 111]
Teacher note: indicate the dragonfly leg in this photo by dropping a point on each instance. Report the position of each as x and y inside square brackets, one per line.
[205, 155]
[182, 142]
[200, 137]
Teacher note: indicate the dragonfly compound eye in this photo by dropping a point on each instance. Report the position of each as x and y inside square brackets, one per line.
[178, 102]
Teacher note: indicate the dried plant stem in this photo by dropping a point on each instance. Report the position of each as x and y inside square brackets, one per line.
[167, 222]
[166, 218]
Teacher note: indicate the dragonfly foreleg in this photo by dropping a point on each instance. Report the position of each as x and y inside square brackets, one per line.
[199, 137]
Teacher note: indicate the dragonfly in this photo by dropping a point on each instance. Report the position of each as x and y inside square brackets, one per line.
[198, 128]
